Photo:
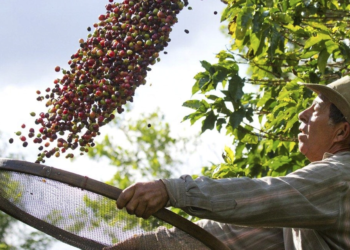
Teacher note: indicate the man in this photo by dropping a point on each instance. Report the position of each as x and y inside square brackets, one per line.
[307, 209]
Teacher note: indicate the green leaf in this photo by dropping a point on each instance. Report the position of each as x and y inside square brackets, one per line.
[208, 67]
[193, 104]
[345, 50]
[331, 46]
[294, 2]
[277, 162]
[322, 60]
[316, 39]
[229, 154]
[235, 88]
[255, 41]
[212, 97]
[297, 30]
[309, 54]
[319, 26]
[244, 20]
[257, 22]
[223, 55]
[204, 106]
[219, 123]
[291, 122]
[194, 117]
[250, 139]
[209, 121]
[335, 3]
[195, 88]
[220, 106]
[282, 17]
[275, 39]
[219, 76]
[264, 99]
[202, 78]
[236, 118]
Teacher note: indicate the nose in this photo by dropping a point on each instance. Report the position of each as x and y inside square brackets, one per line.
[304, 115]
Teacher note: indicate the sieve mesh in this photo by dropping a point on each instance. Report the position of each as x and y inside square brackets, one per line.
[85, 214]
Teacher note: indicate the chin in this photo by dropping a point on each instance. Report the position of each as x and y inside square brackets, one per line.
[302, 148]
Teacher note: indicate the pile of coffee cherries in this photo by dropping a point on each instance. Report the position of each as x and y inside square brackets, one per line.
[102, 75]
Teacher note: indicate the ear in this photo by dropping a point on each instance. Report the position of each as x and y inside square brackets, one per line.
[343, 132]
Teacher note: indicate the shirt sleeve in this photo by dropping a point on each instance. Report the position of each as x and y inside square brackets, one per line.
[307, 198]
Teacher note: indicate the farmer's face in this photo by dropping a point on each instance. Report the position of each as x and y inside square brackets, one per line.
[316, 132]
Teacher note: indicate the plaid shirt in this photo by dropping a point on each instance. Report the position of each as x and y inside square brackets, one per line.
[307, 209]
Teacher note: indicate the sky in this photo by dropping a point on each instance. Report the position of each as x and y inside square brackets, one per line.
[38, 35]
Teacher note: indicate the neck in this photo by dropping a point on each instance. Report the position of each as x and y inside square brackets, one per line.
[340, 148]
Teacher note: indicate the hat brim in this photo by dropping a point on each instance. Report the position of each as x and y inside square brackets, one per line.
[332, 95]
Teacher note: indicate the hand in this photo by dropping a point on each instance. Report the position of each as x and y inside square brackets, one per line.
[144, 198]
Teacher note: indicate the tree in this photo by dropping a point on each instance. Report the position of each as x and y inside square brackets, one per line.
[283, 43]
[144, 149]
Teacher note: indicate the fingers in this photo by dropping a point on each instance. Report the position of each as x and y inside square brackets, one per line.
[143, 199]
[125, 196]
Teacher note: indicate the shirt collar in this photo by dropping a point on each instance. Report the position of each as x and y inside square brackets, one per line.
[328, 155]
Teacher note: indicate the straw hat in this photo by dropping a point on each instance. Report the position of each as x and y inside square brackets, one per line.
[337, 92]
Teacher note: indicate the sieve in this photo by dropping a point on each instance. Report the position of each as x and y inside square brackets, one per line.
[81, 211]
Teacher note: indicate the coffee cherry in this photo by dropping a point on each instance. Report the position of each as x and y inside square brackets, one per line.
[11, 140]
[103, 74]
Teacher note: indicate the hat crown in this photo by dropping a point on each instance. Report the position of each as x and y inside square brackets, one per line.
[337, 92]
[342, 86]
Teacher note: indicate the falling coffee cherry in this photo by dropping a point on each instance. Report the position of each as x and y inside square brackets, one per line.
[103, 74]
[215, 12]
[149, 125]
[11, 140]
[187, 31]
[89, 29]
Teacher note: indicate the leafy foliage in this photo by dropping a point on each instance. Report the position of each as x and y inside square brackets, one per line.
[283, 43]
[144, 149]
